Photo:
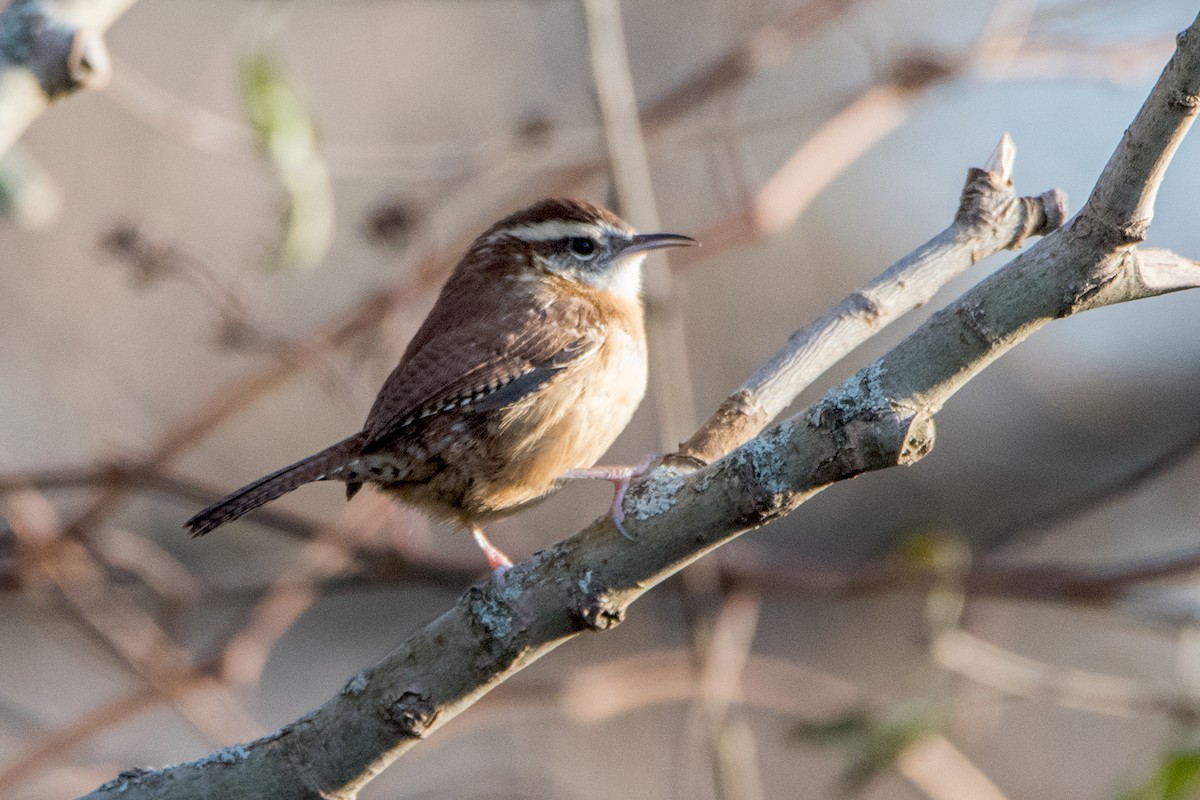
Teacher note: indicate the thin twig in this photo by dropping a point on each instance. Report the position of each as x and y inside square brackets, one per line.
[1087, 502]
[990, 218]
[1008, 672]
[58, 743]
[943, 772]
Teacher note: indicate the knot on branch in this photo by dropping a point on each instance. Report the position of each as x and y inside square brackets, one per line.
[864, 306]
[593, 606]
[1185, 101]
[126, 779]
[411, 714]
[1102, 232]
[356, 685]
[989, 208]
[917, 70]
[866, 431]
[768, 489]
[63, 57]
[974, 323]
[737, 419]
[1049, 209]
[494, 612]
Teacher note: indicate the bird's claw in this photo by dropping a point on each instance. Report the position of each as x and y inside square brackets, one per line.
[620, 478]
[497, 561]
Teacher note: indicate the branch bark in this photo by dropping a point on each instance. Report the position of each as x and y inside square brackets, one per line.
[49, 49]
[878, 418]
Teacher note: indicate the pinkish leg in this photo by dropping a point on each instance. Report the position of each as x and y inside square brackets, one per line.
[497, 561]
[620, 478]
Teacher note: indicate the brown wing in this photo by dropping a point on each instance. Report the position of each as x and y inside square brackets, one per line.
[484, 362]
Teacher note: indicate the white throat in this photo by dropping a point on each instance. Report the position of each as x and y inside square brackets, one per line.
[624, 280]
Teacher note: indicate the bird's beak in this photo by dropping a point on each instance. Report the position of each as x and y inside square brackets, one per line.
[641, 242]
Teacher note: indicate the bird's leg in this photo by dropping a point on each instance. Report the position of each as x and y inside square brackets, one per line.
[497, 561]
[619, 477]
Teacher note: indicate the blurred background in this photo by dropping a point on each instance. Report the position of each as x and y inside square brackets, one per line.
[209, 267]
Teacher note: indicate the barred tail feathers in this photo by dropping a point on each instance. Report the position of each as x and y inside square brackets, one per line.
[319, 466]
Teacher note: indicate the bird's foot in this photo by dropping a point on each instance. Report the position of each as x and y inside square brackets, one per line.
[620, 477]
[497, 561]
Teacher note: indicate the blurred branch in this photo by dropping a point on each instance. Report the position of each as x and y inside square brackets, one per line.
[375, 564]
[200, 129]
[238, 394]
[209, 132]
[771, 575]
[28, 195]
[139, 475]
[748, 570]
[943, 772]
[245, 653]
[1124, 485]
[1000, 53]
[1008, 672]
[725, 655]
[49, 49]
[54, 745]
[1062, 57]
[844, 138]
[987, 578]
[768, 44]
[113, 618]
[604, 691]
[151, 258]
[635, 190]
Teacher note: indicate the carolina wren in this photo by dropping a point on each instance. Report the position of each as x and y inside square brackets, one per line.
[530, 363]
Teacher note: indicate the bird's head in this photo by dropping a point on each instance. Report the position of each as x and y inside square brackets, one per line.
[577, 241]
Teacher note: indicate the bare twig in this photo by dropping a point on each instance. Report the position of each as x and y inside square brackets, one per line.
[116, 621]
[1001, 669]
[990, 218]
[54, 745]
[943, 772]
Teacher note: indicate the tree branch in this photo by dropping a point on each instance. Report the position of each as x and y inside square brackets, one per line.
[49, 49]
[990, 218]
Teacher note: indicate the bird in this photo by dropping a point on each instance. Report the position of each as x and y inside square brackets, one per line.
[528, 366]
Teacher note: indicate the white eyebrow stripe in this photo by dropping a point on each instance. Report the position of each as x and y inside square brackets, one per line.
[554, 229]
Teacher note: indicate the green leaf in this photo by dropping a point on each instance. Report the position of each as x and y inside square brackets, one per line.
[286, 135]
[871, 741]
[852, 727]
[1176, 778]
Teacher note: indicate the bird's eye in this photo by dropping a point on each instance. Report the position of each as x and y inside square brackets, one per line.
[581, 247]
